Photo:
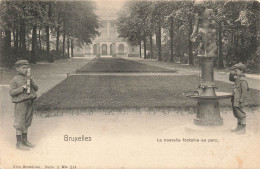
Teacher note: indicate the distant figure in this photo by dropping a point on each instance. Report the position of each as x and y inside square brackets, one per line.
[23, 93]
[204, 31]
[240, 89]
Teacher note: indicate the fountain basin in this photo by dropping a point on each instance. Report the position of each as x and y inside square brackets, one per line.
[194, 95]
[208, 113]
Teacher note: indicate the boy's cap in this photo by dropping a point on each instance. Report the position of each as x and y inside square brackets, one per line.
[21, 63]
[239, 66]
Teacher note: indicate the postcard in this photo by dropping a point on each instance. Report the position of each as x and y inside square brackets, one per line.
[129, 84]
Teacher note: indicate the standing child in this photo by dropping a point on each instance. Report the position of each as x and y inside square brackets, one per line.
[240, 89]
[23, 93]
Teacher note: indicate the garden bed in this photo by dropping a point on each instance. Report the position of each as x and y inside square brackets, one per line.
[99, 92]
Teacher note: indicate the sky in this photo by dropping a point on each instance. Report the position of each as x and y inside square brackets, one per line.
[109, 4]
[108, 8]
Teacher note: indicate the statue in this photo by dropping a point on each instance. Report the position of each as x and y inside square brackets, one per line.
[208, 111]
[205, 31]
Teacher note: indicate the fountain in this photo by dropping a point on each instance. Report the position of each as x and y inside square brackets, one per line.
[208, 112]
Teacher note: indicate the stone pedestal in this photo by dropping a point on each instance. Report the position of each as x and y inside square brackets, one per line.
[208, 112]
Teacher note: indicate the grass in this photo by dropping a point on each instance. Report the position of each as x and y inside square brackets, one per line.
[119, 65]
[86, 92]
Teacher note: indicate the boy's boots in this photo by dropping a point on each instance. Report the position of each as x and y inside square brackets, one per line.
[19, 144]
[237, 128]
[26, 142]
[242, 129]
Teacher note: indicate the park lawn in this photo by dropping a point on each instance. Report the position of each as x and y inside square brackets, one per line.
[119, 65]
[100, 92]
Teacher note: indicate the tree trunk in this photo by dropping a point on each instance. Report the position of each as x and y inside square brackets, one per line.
[58, 39]
[47, 29]
[72, 46]
[236, 52]
[40, 41]
[63, 44]
[50, 58]
[190, 43]
[181, 47]
[34, 44]
[7, 48]
[140, 48]
[20, 41]
[68, 47]
[8, 33]
[16, 39]
[151, 46]
[8, 39]
[16, 42]
[158, 39]
[171, 39]
[220, 56]
[22, 36]
[144, 40]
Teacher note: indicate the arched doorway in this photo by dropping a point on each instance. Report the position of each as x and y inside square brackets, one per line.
[95, 49]
[111, 49]
[104, 49]
[121, 49]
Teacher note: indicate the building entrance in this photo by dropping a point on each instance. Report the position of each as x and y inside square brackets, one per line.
[104, 49]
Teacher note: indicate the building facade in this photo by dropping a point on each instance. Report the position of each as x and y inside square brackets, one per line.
[109, 44]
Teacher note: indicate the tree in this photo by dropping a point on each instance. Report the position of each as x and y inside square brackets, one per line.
[49, 13]
[72, 46]
[158, 13]
[78, 21]
[129, 24]
[22, 19]
[171, 37]
[183, 15]
[238, 24]
[36, 12]
[151, 45]
[135, 23]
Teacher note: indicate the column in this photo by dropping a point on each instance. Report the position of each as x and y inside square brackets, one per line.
[108, 29]
[98, 49]
[114, 49]
[108, 49]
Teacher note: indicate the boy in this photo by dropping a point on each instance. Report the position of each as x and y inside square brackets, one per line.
[240, 89]
[23, 93]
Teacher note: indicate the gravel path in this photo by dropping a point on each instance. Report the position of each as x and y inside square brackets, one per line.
[115, 64]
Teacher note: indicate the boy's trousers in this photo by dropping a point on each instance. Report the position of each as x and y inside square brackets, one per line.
[23, 114]
[240, 114]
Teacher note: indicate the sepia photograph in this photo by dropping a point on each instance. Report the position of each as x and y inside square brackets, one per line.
[129, 84]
